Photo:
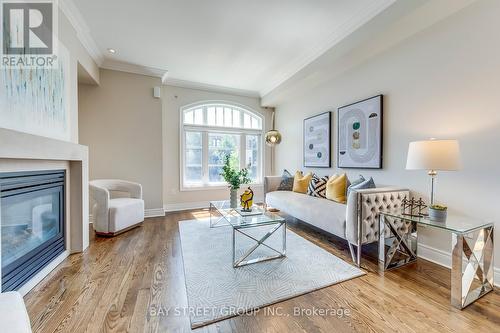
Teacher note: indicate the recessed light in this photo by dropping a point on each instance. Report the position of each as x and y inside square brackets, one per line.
[113, 51]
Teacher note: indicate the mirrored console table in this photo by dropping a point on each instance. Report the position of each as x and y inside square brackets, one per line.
[472, 251]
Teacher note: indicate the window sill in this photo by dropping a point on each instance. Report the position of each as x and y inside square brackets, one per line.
[213, 187]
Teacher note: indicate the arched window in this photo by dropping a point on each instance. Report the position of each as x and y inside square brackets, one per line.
[212, 130]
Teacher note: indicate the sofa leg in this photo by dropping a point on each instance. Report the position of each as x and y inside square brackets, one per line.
[353, 255]
[358, 256]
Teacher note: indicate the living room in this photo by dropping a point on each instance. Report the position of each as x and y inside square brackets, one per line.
[281, 166]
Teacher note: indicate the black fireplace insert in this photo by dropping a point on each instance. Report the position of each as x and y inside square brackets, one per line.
[32, 224]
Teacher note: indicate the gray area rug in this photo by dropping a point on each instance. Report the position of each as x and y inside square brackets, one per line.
[217, 291]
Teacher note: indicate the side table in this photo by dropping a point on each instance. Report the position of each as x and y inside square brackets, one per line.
[472, 251]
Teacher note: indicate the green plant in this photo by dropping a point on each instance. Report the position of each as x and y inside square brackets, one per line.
[439, 207]
[235, 178]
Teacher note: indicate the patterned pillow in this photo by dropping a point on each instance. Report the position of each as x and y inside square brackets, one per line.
[286, 181]
[317, 186]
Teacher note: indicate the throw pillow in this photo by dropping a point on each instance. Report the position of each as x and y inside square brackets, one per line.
[286, 183]
[354, 183]
[369, 183]
[301, 182]
[317, 186]
[336, 188]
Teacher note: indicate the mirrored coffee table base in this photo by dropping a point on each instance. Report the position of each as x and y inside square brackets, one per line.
[259, 242]
[259, 221]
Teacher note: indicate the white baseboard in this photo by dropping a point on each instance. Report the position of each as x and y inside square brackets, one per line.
[443, 258]
[174, 207]
[152, 212]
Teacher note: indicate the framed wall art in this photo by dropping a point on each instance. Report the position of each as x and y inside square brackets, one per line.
[359, 143]
[317, 141]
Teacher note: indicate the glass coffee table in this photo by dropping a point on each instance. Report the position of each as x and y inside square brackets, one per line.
[221, 214]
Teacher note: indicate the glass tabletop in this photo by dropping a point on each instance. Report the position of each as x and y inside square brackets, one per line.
[454, 223]
[239, 219]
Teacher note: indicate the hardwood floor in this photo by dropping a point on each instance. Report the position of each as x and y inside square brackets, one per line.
[127, 283]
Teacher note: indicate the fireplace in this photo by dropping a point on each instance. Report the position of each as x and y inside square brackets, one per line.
[32, 223]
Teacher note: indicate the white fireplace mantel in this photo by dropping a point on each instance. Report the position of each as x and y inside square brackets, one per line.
[19, 149]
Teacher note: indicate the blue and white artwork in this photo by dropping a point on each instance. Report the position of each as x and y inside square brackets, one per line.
[360, 134]
[36, 100]
[317, 141]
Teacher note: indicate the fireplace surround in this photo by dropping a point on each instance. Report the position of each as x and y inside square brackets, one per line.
[32, 223]
[26, 152]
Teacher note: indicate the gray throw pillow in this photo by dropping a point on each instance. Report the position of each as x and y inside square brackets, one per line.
[369, 183]
[354, 183]
[286, 181]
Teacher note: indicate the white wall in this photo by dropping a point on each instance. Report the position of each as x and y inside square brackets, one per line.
[77, 55]
[442, 82]
[173, 99]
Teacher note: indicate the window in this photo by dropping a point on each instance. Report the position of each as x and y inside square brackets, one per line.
[212, 131]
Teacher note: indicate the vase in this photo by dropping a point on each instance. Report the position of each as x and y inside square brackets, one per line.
[437, 215]
[233, 198]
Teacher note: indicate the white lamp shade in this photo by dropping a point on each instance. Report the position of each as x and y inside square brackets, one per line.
[434, 155]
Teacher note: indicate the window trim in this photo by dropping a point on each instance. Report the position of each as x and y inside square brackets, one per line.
[205, 129]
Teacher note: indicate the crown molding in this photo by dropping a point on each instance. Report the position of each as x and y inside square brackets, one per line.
[133, 68]
[209, 87]
[337, 36]
[82, 30]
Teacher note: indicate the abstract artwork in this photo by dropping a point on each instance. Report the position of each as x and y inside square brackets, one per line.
[317, 141]
[360, 134]
[36, 100]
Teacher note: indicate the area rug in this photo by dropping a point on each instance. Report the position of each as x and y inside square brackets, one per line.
[217, 291]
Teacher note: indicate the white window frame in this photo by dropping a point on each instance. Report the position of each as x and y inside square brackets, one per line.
[205, 129]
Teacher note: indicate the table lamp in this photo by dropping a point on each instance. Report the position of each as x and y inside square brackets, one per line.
[433, 155]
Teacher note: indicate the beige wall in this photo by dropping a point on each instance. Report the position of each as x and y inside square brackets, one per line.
[173, 99]
[120, 121]
[442, 82]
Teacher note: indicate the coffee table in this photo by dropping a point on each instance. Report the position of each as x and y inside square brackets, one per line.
[221, 214]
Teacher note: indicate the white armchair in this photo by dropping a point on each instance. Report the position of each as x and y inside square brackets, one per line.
[114, 214]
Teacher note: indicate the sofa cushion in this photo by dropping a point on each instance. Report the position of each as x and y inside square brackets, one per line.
[317, 186]
[336, 188]
[368, 183]
[354, 183]
[322, 213]
[286, 183]
[125, 212]
[301, 182]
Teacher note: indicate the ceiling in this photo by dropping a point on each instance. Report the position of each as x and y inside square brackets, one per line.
[252, 45]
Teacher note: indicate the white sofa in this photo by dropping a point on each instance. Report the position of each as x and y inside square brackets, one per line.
[114, 213]
[335, 218]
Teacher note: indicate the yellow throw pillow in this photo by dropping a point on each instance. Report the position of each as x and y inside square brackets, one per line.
[336, 188]
[301, 182]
